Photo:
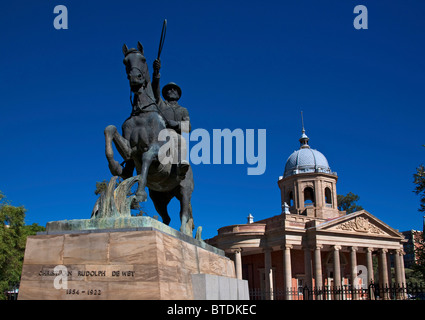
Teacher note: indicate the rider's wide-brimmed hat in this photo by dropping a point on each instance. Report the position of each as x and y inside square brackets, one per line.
[169, 86]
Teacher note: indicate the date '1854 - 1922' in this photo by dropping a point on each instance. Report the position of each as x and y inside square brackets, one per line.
[91, 292]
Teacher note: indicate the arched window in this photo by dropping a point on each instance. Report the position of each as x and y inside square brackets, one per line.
[308, 197]
[328, 196]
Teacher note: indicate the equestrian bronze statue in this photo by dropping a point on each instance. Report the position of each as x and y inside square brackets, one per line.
[142, 142]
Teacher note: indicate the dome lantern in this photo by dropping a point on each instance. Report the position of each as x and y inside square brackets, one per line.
[304, 139]
[308, 185]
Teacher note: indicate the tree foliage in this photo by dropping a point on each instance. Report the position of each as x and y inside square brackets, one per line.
[419, 267]
[348, 203]
[13, 236]
[419, 181]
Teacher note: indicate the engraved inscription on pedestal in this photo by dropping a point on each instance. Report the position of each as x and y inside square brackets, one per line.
[115, 265]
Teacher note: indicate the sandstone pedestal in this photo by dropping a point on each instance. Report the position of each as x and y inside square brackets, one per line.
[137, 263]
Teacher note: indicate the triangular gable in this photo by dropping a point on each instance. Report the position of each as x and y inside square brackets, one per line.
[361, 222]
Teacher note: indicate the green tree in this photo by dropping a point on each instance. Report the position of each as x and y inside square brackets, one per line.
[419, 267]
[348, 203]
[13, 236]
[419, 181]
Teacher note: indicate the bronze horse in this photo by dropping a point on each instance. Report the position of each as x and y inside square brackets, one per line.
[139, 146]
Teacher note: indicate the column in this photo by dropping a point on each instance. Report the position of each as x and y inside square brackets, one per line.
[380, 274]
[337, 271]
[334, 196]
[397, 282]
[308, 270]
[318, 194]
[268, 273]
[296, 197]
[389, 272]
[383, 270]
[398, 278]
[403, 275]
[318, 271]
[238, 262]
[399, 272]
[300, 197]
[287, 271]
[369, 265]
[370, 275]
[353, 262]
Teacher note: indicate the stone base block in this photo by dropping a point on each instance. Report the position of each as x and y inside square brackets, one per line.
[117, 264]
[213, 287]
[121, 223]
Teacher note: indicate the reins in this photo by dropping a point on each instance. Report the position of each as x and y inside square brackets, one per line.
[158, 110]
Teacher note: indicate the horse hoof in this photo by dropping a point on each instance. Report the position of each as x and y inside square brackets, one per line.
[110, 130]
[186, 229]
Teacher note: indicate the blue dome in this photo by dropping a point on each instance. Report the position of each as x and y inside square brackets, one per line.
[306, 160]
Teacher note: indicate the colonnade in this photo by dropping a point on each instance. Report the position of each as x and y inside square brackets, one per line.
[313, 267]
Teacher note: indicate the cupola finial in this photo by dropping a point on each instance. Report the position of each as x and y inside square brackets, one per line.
[302, 121]
[304, 139]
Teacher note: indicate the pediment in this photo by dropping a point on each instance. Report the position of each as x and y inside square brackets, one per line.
[360, 222]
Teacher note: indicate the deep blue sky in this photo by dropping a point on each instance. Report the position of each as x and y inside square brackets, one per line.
[241, 64]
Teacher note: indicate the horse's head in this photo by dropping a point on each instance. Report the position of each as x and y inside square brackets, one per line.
[136, 67]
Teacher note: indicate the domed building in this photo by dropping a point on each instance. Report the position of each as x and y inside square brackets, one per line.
[311, 250]
[306, 160]
[308, 186]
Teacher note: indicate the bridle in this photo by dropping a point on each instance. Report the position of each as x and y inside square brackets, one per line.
[144, 85]
[137, 68]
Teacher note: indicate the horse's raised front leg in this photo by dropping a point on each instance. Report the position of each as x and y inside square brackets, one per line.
[122, 145]
[147, 158]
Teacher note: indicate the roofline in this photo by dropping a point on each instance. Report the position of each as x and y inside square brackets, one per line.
[300, 175]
